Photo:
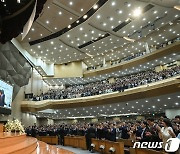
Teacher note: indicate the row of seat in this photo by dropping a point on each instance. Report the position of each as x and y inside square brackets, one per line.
[75, 141]
[48, 139]
[108, 147]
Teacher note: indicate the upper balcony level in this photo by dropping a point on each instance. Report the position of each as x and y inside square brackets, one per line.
[159, 88]
[145, 58]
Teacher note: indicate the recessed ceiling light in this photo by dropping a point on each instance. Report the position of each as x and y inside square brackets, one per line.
[137, 12]
[155, 12]
[82, 10]
[111, 18]
[120, 11]
[85, 16]
[60, 13]
[69, 26]
[98, 16]
[95, 6]
[71, 3]
[113, 3]
[81, 28]
[68, 35]
[70, 18]
[47, 22]
[104, 24]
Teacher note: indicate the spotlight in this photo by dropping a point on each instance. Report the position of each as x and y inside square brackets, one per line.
[137, 12]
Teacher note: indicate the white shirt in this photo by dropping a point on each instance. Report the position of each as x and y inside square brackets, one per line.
[165, 134]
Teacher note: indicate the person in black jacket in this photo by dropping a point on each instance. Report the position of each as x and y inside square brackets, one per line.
[61, 133]
[153, 130]
[2, 98]
[91, 133]
[111, 134]
[143, 137]
[33, 131]
[124, 129]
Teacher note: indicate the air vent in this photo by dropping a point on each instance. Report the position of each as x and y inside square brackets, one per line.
[85, 44]
[95, 40]
[122, 25]
[147, 8]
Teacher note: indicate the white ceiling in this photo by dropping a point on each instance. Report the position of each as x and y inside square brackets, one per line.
[64, 48]
[151, 106]
[142, 67]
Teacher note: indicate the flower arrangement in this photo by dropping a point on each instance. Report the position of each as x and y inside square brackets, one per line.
[14, 126]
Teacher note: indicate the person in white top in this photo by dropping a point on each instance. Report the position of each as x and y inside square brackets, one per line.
[166, 131]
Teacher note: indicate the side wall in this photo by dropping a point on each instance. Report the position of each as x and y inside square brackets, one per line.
[35, 85]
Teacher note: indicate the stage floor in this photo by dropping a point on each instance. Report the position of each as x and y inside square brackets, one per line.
[21, 144]
[44, 148]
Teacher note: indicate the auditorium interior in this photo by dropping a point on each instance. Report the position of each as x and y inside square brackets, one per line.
[89, 76]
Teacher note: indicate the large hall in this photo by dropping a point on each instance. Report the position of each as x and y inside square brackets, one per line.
[89, 76]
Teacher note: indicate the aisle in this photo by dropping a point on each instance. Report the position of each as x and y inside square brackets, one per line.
[75, 150]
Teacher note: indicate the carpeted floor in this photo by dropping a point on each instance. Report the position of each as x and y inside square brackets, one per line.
[76, 150]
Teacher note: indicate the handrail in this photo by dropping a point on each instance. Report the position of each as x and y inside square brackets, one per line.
[163, 87]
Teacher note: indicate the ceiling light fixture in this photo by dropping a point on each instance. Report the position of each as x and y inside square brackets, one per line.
[85, 16]
[95, 6]
[137, 12]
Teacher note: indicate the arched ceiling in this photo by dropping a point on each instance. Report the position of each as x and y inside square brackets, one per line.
[109, 25]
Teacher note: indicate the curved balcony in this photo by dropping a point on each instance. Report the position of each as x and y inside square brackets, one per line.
[163, 87]
[172, 48]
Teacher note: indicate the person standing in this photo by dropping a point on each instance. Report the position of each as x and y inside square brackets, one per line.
[91, 133]
[166, 131]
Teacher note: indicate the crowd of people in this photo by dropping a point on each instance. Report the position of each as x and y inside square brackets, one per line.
[152, 48]
[149, 130]
[102, 87]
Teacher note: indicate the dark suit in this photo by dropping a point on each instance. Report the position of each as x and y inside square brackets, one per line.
[111, 135]
[143, 136]
[62, 133]
[3, 99]
[154, 137]
[125, 134]
[91, 133]
[138, 131]
[1, 103]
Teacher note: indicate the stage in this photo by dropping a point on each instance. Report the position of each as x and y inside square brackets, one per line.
[16, 143]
